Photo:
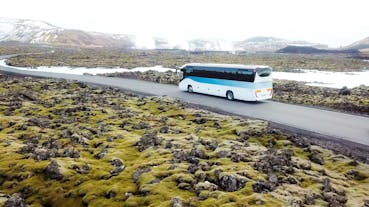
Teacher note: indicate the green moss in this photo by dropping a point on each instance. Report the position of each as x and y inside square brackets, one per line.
[100, 125]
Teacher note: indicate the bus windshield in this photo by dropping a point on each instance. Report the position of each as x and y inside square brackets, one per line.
[264, 72]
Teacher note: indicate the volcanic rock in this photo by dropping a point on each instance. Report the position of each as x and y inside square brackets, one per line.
[149, 139]
[176, 202]
[231, 182]
[52, 171]
[316, 157]
[15, 200]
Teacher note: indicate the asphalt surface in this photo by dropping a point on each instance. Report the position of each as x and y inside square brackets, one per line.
[336, 125]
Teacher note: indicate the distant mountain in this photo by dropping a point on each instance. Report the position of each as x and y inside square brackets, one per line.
[27, 31]
[270, 44]
[313, 50]
[360, 45]
[39, 32]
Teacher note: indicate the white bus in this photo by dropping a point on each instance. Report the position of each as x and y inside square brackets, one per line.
[242, 82]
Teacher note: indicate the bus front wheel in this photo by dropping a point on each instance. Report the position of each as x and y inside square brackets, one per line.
[189, 89]
[229, 95]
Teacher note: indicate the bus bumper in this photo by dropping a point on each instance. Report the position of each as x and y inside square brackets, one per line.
[263, 94]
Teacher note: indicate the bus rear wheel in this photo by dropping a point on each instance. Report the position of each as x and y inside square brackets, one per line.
[189, 89]
[230, 95]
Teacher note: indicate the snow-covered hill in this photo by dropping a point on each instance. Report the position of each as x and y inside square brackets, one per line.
[28, 31]
[271, 44]
[39, 32]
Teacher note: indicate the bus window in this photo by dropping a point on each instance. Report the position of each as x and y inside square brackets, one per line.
[247, 75]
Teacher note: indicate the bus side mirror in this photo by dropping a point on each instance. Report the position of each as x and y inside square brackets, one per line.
[179, 69]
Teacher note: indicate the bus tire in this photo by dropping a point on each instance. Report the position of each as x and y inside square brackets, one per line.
[229, 95]
[189, 89]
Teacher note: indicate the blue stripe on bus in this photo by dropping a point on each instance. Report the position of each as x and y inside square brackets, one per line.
[232, 83]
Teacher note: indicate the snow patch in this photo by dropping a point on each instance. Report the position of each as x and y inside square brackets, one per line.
[311, 77]
[327, 79]
[83, 70]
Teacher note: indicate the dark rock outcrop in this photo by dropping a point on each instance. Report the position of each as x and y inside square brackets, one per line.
[176, 202]
[332, 196]
[179, 156]
[71, 152]
[52, 171]
[209, 144]
[344, 91]
[139, 172]
[118, 166]
[15, 200]
[231, 182]
[198, 153]
[84, 169]
[315, 156]
[208, 186]
[141, 125]
[262, 186]
[164, 129]
[334, 200]
[275, 161]
[200, 120]
[149, 139]
[40, 122]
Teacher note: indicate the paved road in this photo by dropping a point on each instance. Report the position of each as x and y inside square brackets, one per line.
[327, 123]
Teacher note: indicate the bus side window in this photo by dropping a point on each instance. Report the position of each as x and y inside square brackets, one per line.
[246, 75]
[233, 74]
[213, 74]
[189, 72]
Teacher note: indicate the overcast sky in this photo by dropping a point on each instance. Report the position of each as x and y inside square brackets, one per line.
[333, 22]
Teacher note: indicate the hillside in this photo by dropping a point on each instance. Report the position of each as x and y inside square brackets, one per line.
[270, 44]
[39, 32]
[27, 31]
[313, 50]
[360, 45]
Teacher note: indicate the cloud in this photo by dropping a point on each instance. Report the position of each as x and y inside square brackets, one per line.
[338, 22]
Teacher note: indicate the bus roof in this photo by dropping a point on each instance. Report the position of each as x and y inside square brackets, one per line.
[215, 65]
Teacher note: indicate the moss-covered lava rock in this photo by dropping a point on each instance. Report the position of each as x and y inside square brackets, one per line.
[64, 143]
